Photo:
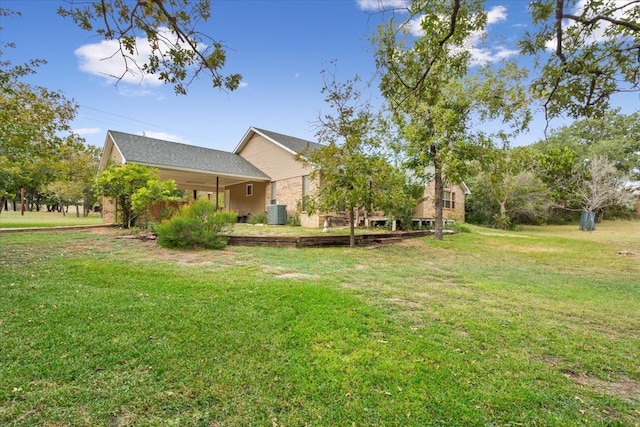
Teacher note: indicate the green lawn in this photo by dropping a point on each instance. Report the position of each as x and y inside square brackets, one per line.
[11, 219]
[538, 327]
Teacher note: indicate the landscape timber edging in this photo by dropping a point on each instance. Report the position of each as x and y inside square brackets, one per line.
[326, 239]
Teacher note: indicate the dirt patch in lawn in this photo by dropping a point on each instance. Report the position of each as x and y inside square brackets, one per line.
[281, 273]
[154, 252]
[149, 250]
[625, 388]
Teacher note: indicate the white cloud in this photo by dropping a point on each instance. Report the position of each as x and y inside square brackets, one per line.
[164, 136]
[103, 60]
[415, 27]
[87, 131]
[380, 5]
[482, 56]
[243, 84]
[496, 14]
[479, 54]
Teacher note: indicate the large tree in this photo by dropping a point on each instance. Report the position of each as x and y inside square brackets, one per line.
[578, 183]
[506, 187]
[557, 168]
[345, 166]
[74, 172]
[587, 51]
[433, 97]
[178, 52]
[601, 185]
[561, 157]
[34, 124]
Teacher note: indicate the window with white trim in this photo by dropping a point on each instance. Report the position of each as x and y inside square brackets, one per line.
[448, 199]
[249, 190]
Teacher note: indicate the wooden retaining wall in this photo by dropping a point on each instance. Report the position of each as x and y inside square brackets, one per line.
[325, 239]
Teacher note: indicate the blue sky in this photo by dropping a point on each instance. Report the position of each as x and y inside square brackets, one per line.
[280, 48]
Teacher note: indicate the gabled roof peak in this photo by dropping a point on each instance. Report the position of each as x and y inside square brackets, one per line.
[290, 143]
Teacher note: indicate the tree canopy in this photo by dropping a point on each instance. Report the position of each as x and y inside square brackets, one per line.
[594, 53]
[134, 188]
[614, 135]
[433, 96]
[167, 29]
[34, 128]
[344, 167]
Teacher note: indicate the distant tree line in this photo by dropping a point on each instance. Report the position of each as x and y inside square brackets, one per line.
[592, 165]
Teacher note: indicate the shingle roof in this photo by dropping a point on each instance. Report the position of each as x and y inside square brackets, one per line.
[297, 145]
[174, 155]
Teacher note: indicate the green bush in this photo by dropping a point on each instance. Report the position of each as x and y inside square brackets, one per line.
[197, 225]
[259, 218]
[294, 220]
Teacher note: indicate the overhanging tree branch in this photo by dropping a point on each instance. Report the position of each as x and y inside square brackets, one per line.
[176, 61]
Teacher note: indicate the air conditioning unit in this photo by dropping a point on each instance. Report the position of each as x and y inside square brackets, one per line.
[276, 214]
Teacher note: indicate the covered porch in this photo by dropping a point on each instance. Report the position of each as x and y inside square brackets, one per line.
[242, 194]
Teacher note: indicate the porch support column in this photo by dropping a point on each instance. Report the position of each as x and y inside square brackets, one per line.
[217, 190]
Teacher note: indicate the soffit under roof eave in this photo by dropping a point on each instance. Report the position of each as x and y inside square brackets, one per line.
[232, 175]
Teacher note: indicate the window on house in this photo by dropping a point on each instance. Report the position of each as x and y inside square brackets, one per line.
[274, 191]
[249, 189]
[448, 199]
[305, 191]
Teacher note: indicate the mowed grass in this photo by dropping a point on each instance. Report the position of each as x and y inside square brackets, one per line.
[11, 219]
[535, 327]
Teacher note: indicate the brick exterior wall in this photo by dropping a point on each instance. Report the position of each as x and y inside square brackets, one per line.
[289, 193]
[108, 211]
[426, 209]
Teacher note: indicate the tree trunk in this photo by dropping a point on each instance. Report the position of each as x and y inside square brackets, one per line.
[3, 203]
[503, 215]
[22, 201]
[439, 189]
[352, 228]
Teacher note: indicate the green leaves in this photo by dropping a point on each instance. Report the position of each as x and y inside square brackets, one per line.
[134, 187]
[197, 225]
[594, 54]
[35, 134]
[179, 52]
[434, 98]
[154, 191]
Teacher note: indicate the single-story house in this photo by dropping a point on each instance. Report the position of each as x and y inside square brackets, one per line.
[261, 173]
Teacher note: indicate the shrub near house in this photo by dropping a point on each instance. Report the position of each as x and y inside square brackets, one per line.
[197, 225]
